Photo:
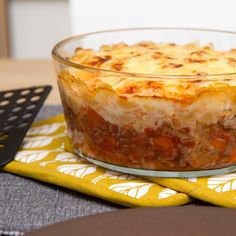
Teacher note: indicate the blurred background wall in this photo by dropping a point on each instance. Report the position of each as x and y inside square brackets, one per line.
[34, 26]
[90, 15]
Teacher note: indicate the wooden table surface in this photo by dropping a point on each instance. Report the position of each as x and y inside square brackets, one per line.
[25, 73]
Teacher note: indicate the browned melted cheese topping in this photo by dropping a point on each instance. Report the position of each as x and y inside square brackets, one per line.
[159, 59]
[154, 59]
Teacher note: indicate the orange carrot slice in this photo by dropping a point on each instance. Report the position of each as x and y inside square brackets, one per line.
[232, 158]
[219, 144]
[164, 142]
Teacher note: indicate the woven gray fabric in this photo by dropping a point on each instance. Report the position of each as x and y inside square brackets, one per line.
[27, 204]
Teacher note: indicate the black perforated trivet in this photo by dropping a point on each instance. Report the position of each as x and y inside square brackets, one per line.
[18, 109]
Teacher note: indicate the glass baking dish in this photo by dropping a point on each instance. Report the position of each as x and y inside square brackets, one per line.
[167, 133]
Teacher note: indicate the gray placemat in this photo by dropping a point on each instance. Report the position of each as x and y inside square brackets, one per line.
[26, 204]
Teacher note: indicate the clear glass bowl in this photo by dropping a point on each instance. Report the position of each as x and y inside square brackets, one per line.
[163, 136]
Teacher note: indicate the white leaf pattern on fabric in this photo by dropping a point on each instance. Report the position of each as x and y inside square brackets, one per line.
[62, 147]
[194, 180]
[131, 189]
[41, 141]
[62, 157]
[222, 183]
[113, 175]
[77, 170]
[67, 157]
[45, 129]
[36, 142]
[30, 156]
[165, 193]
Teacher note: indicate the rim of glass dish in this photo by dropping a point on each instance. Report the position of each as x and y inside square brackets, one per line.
[56, 55]
[157, 173]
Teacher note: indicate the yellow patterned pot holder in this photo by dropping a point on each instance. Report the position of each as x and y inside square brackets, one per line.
[46, 155]
[219, 190]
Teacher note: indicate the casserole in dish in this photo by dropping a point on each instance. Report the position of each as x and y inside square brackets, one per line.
[151, 99]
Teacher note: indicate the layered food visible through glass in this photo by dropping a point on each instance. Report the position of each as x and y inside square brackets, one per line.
[152, 105]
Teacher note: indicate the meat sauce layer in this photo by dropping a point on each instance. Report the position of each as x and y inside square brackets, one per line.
[162, 149]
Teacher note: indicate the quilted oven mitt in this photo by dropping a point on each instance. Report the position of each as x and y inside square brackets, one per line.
[46, 155]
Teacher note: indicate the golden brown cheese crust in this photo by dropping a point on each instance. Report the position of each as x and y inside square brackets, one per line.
[159, 59]
[156, 59]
